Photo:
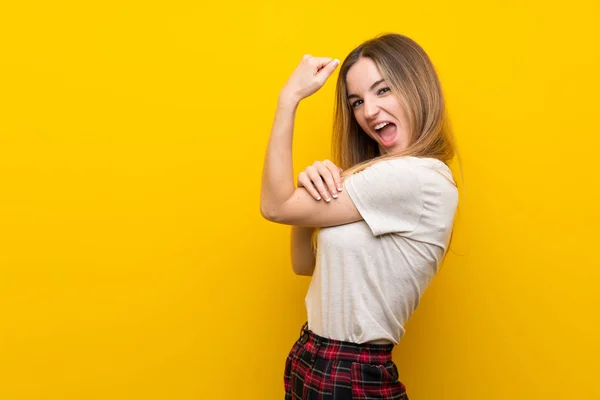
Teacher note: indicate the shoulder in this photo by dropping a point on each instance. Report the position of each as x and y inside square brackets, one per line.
[432, 170]
[429, 176]
[416, 167]
[387, 172]
[394, 166]
[436, 182]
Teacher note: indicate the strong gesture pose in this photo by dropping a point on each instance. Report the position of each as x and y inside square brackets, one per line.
[382, 212]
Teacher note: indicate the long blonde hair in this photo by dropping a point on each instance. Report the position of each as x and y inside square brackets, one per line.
[411, 77]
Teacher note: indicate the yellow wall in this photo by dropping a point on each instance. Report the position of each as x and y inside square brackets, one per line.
[134, 263]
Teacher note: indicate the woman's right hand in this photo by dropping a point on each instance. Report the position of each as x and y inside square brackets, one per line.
[322, 180]
[308, 77]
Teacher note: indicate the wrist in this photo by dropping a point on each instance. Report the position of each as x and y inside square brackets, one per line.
[288, 99]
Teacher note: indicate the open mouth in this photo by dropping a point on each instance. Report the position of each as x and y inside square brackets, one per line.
[386, 132]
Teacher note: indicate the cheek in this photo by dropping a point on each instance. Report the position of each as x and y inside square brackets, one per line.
[398, 110]
[359, 117]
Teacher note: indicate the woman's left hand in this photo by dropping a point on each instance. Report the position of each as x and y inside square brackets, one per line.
[308, 77]
[321, 179]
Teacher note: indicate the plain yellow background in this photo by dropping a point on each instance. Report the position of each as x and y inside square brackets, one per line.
[134, 263]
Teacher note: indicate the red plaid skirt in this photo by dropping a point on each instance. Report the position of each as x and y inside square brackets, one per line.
[318, 368]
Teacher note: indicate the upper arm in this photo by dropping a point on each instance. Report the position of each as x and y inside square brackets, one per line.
[302, 209]
[387, 196]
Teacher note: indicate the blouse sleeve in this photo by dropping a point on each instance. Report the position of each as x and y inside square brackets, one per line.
[388, 196]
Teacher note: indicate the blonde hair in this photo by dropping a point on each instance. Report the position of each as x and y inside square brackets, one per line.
[411, 77]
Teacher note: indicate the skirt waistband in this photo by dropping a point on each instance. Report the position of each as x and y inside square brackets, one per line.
[331, 349]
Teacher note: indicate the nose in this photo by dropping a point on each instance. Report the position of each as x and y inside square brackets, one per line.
[370, 109]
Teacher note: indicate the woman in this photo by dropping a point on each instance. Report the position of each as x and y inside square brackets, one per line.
[383, 226]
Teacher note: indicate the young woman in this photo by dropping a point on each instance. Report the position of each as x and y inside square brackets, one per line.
[382, 226]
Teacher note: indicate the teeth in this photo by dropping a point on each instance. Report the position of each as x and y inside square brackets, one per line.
[381, 125]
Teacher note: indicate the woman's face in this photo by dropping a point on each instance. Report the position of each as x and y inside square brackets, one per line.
[378, 112]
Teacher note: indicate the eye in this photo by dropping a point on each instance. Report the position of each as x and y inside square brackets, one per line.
[383, 90]
[356, 103]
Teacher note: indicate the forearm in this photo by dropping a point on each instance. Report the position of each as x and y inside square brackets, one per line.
[302, 253]
[278, 172]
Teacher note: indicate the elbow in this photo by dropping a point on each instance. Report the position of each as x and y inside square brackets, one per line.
[264, 212]
[268, 213]
[266, 209]
[274, 212]
[275, 209]
[304, 271]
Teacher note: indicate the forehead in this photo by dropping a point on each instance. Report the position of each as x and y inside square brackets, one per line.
[362, 75]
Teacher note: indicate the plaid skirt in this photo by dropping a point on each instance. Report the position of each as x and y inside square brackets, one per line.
[318, 368]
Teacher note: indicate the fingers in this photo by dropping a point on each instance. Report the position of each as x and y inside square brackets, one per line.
[322, 180]
[324, 65]
[327, 188]
[328, 68]
[309, 76]
[334, 178]
[318, 178]
[305, 182]
[321, 62]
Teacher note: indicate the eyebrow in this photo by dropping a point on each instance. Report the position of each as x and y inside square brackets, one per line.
[371, 88]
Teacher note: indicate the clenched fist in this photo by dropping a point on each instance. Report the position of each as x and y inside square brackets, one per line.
[308, 77]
